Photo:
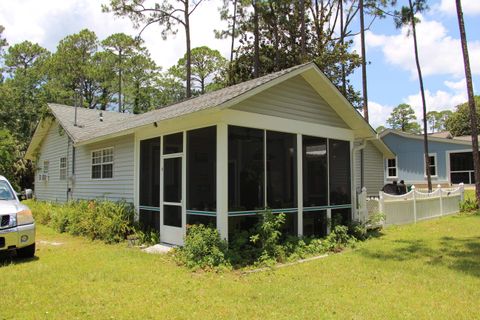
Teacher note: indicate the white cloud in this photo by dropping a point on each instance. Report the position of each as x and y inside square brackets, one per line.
[469, 7]
[47, 22]
[437, 101]
[439, 53]
[378, 114]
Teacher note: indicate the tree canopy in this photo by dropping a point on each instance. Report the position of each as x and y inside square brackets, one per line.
[403, 118]
[459, 122]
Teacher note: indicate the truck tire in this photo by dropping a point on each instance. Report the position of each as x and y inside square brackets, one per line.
[27, 252]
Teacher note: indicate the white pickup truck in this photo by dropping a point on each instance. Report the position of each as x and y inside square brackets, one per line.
[17, 227]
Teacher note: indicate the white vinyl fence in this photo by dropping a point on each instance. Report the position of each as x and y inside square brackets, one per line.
[410, 207]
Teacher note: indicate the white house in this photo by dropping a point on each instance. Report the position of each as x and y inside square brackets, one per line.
[288, 141]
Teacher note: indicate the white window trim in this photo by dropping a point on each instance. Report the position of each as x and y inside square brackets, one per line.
[434, 155]
[62, 168]
[43, 176]
[102, 163]
[387, 167]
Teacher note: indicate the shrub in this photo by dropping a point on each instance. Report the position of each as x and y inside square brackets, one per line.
[469, 205]
[203, 248]
[103, 220]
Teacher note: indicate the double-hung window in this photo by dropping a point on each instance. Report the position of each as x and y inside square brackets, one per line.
[102, 163]
[433, 164]
[392, 168]
[63, 168]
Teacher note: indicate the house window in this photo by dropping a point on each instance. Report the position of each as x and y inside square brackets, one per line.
[102, 164]
[43, 176]
[392, 168]
[63, 168]
[433, 164]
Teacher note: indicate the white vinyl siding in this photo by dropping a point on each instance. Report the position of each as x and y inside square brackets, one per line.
[120, 186]
[53, 148]
[293, 99]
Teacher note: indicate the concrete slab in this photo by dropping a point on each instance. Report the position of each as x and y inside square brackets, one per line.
[161, 248]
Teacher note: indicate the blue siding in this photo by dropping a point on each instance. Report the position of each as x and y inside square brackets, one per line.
[410, 161]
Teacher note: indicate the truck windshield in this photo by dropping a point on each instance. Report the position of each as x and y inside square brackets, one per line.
[6, 192]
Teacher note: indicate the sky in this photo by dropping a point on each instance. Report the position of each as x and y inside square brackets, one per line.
[392, 75]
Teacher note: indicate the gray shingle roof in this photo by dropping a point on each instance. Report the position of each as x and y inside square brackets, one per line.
[88, 120]
[91, 128]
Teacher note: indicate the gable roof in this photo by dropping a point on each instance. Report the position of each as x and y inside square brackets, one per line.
[463, 140]
[90, 129]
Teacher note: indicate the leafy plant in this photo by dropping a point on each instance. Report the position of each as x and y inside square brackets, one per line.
[203, 249]
[468, 205]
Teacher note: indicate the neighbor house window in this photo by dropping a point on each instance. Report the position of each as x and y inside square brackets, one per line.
[63, 168]
[102, 164]
[392, 168]
[433, 164]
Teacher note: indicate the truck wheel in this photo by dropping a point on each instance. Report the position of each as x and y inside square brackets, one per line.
[27, 252]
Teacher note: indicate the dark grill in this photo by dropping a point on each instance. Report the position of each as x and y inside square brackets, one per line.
[5, 221]
[2, 242]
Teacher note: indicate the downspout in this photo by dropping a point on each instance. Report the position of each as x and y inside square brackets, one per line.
[354, 187]
[354, 152]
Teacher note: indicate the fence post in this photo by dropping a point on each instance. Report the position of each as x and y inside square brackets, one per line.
[381, 207]
[462, 192]
[414, 204]
[441, 199]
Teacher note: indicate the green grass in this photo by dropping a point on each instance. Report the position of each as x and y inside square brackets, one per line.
[429, 270]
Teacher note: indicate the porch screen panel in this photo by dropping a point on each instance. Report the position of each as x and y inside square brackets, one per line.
[315, 223]
[339, 167]
[315, 174]
[201, 176]
[149, 198]
[281, 170]
[246, 169]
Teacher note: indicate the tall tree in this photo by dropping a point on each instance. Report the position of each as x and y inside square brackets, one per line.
[364, 60]
[24, 89]
[406, 17]
[459, 122]
[471, 99]
[168, 14]
[207, 66]
[403, 118]
[437, 120]
[124, 47]
[70, 69]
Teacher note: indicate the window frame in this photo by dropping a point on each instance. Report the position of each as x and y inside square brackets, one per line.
[101, 163]
[387, 167]
[62, 174]
[434, 155]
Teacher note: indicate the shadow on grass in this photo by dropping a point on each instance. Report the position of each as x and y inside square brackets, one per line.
[460, 254]
[10, 257]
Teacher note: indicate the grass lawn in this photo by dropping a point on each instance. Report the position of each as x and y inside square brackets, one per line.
[428, 270]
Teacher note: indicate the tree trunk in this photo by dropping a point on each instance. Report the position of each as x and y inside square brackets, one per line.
[256, 65]
[303, 31]
[364, 61]
[120, 107]
[424, 105]
[342, 41]
[189, 53]
[471, 100]
[234, 22]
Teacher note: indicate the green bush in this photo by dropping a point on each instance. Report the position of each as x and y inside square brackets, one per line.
[103, 220]
[469, 205]
[203, 248]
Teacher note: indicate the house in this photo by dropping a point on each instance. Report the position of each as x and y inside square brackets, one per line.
[451, 159]
[286, 141]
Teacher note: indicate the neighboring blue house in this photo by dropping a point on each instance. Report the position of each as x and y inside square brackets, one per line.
[451, 159]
